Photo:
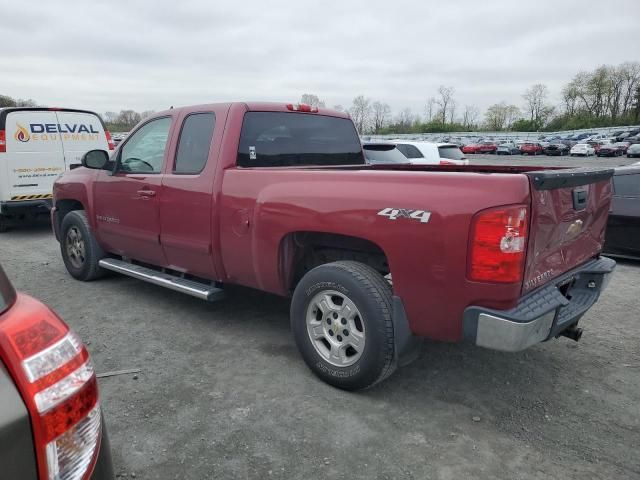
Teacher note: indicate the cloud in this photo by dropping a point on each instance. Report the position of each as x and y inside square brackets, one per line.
[145, 54]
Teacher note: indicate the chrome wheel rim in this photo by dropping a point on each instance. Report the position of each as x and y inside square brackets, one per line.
[336, 328]
[74, 244]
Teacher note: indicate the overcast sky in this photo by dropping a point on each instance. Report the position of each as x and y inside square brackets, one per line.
[145, 56]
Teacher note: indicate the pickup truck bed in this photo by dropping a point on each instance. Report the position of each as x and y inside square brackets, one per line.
[282, 198]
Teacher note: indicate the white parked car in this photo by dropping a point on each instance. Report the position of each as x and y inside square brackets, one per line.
[582, 149]
[36, 146]
[427, 153]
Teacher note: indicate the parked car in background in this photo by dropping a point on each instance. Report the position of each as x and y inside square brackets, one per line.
[612, 149]
[51, 425]
[508, 149]
[633, 150]
[427, 153]
[383, 153]
[37, 145]
[531, 148]
[278, 197]
[582, 149]
[556, 149]
[480, 147]
[623, 227]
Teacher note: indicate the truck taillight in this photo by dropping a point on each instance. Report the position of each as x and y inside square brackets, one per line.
[301, 107]
[107, 134]
[55, 376]
[498, 243]
[3, 142]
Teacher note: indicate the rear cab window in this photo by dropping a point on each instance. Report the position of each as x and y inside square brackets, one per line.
[280, 139]
[383, 154]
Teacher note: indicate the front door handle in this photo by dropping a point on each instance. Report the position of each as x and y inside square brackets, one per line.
[147, 193]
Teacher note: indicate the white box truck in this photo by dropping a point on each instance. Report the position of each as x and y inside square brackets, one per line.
[37, 145]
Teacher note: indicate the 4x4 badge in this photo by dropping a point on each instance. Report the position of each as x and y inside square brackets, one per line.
[394, 213]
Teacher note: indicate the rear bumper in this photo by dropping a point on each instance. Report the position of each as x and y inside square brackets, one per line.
[17, 207]
[542, 314]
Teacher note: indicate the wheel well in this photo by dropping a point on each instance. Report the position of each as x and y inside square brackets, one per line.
[63, 207]
[302, 251]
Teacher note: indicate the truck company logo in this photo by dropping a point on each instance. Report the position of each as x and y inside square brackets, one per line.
[50, 131]
[22, 134]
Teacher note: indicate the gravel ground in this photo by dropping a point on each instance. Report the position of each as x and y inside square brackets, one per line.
[222, 392]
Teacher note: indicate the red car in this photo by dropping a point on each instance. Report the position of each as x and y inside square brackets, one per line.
[482, 147]
[279, 198]
[51, 425]
[531, 149]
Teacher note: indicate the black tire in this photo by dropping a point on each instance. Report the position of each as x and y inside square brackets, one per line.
[4, 225]
[371, 295]
[81, 267]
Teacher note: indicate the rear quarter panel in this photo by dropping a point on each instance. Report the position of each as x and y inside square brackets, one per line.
[260, 207]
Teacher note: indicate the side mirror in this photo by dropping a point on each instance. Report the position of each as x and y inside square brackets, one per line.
[96, 159]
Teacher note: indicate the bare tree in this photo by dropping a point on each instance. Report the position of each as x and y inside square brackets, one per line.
[631, 73]
[500, 116]
[128, 118]
[444, 102]
[381, 114]
[405, 120]
[429, 109]
[535, 98]
[470, 116]
[109, 117]
[360, 112]
[452, 110]
[570, 98]
[312, 100]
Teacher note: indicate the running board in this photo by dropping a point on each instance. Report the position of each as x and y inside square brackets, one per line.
[172, 282]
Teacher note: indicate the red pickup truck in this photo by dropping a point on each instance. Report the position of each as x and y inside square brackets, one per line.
[279, 198]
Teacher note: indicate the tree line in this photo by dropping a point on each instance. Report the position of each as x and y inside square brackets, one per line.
[606, 96]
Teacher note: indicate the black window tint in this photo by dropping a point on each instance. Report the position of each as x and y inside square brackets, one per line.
[409, 151]
[279, 139]
[194, 143]
[627, 185]
[452, 153]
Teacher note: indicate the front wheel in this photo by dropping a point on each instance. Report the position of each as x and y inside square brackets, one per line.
[342, 325]
[80, 251]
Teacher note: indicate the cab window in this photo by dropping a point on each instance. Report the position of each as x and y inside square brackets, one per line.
[144, 150]
[194, 143]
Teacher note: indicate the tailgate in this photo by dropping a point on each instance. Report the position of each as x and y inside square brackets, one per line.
[569, 210]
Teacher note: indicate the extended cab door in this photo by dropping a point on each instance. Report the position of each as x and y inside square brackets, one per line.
[187, 200]
[126, 202]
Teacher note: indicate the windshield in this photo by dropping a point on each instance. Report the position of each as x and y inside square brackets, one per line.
[279, 139]
[383, 154]
[451, 152]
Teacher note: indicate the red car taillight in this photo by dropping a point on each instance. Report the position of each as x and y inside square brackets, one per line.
[497, 244]
[53, 372]
[107, 134]
[3, 142]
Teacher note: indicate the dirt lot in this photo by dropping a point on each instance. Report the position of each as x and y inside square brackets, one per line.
[222, 392]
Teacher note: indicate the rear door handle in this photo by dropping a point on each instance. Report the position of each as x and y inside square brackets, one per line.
[147, 193]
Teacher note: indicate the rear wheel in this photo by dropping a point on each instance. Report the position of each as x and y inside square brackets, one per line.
[341, 322]
[80, 251]
[4, 226]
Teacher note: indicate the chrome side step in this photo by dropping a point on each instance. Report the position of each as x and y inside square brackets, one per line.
[172, 282]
